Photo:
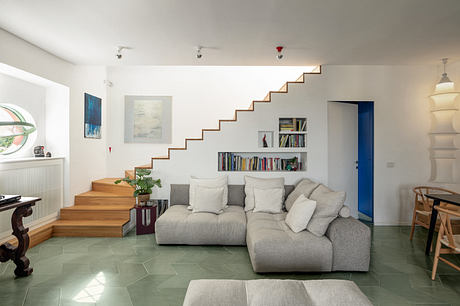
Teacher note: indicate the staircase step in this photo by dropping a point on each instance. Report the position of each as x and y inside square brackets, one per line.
[108, 185]
[96, 212]
[89, 228]
[104, 198]
[129, 174]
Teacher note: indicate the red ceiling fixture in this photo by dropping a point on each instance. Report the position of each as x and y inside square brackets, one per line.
[280, 50]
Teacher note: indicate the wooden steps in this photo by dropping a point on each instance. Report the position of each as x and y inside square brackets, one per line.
[104, 198]
[89, 228]
[96, 212]
[108, 185]
[102, 212]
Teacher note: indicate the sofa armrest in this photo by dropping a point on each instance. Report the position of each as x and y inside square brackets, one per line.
[351, 244]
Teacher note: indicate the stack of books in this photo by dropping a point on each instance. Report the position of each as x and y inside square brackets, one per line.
[292, 125]
[232, 162]
[292, 141]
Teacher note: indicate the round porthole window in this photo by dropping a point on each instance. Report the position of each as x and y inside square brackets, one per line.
[17, 129]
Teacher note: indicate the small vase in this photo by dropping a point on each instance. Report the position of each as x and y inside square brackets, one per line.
[143, 198]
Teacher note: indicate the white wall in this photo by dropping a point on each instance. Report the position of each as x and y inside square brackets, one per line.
[402, 122]
[30, 97]
[85, 159]
[200, 96]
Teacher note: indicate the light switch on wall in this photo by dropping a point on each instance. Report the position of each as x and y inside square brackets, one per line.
[390, 164]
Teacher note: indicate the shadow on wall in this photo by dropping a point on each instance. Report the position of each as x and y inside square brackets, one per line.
[406, 203]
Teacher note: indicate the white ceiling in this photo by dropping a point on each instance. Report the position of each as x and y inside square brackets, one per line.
[241, 32]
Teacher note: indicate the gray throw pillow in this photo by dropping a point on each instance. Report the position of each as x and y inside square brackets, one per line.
[304, 187]
[328, 205]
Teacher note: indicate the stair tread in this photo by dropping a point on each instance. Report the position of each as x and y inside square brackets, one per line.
[95, 223]
[111, 181]
[99, 207]
[93, 193]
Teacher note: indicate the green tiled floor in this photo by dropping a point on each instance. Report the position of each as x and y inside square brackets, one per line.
[136, 271]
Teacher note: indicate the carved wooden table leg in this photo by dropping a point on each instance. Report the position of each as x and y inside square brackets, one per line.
[18, 254]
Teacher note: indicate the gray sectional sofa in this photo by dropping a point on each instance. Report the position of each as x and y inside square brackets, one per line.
[272, 246]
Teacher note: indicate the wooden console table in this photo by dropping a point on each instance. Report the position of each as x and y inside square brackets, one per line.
[23, 208]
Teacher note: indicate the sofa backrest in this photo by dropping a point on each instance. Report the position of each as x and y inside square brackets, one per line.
[180, 194]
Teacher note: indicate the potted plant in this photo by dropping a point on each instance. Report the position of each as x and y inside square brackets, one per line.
[143, 184]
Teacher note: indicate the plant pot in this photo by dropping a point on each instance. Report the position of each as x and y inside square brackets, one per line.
[143, 198]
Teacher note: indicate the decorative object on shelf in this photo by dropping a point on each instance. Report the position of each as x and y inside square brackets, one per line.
[143, 184]
[93, 116]
[48, 154]
[17, 129]
[265, 139]
[255, 161]
[443, 133]
[145, 219]
[39, 151]
[148, 119]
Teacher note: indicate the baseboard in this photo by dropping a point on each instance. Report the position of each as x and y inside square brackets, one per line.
[6, 236]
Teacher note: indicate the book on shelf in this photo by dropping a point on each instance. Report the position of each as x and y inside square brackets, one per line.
[292, 141]
[292, 124]
[232, 162]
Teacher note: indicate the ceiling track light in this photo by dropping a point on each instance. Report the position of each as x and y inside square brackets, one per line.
[280, 55]
[198, 52]
[120, 49]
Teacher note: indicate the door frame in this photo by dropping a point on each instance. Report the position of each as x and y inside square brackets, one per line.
[371, 144]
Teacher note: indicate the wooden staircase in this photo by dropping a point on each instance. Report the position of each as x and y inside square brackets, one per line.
[102, 212]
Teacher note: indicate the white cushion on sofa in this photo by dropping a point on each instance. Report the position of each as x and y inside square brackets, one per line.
[300, 214]
[210, 183]
[328, 205]
[255, 182]
[268, 200]
[208, 199]
[345, 212]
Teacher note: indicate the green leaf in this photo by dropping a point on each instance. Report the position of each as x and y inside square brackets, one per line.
[117, 182]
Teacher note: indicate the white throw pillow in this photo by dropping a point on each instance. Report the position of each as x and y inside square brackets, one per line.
[211, 183]
[345, 212]
[255, 182]
[268, 200]
[208, 199]
[328, 205]
[300, 214]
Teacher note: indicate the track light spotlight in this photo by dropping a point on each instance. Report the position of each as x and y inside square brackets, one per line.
[198, 52]
[119, 49]
[280, 55]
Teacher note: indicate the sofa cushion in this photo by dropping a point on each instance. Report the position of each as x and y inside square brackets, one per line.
[208, 199]
[274, 292]
[304, 187]
[300, 214]
[268, 200]
[273, 247]
[210, 183]
[328, 205]
[255, 182]
[178, 225]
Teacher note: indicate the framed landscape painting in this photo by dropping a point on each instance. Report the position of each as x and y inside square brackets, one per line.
[148, 119]
[93, 116]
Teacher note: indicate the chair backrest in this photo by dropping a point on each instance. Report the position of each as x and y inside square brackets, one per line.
[421, 191]
[446, 226]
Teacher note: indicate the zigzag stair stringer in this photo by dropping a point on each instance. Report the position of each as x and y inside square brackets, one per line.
[268, 98]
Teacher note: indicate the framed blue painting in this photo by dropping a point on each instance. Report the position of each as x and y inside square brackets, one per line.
[93, 116]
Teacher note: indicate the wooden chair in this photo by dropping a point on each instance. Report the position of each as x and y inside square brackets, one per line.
[423, 206]
[447, 238]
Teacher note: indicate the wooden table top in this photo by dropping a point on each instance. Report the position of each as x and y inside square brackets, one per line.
[447, 198]
[22, 202]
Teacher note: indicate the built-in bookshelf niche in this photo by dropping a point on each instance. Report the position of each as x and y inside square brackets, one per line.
[292, 132]
[262, 161]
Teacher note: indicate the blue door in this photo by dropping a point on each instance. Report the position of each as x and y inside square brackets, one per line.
[366, 158]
